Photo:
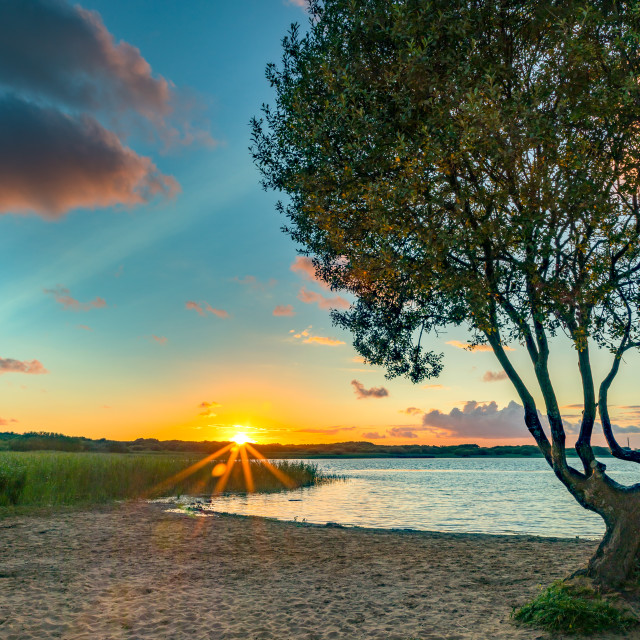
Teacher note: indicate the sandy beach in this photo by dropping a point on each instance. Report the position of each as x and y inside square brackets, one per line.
[135, 571]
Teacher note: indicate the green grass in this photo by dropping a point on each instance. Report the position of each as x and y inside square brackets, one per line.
[568, 608]
[46, 478]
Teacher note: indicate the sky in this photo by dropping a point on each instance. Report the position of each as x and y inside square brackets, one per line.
[148, 290]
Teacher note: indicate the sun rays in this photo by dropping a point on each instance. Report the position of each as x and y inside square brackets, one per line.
[240, 451]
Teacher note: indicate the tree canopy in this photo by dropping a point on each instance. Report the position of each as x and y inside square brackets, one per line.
[475, 163]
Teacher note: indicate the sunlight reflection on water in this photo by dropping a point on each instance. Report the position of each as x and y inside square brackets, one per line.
[473, 495]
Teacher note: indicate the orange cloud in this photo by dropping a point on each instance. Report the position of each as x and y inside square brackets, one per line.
[84, 327]
[208, 408]
[32, 367]
[478, 347]
[330, 342]
[304, 266]
[159, 339]
[411, 411]
[190, 304]
[221, 313]
[284, 310]
[62, 296]
[201, 307]
[6, 421]
[435, 387]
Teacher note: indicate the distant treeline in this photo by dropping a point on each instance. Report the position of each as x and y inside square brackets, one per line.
[42, 440]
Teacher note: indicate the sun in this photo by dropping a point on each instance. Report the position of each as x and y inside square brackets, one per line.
[241, 438]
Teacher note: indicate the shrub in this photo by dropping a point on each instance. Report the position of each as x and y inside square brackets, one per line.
[13, 477]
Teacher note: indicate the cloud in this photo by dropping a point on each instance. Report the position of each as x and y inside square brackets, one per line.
[159, 339]
[221, 313]
[32, 367]
[435, 387]
[329, 342]
[208, 408]
[478, 347]
[324, 302]
[358, 359]
[477, 420]
[284, 310]
[71, 95]
[411, 411]
[374, 392]
[6, 421]
[331, 431]
[63, 296]
[403, 432]
[304, 266]
[201, 307]
[373, 435]
[190, 304]
[494, 376]
[303, 4]
[84, 327]
[253, 283]
[51, 162]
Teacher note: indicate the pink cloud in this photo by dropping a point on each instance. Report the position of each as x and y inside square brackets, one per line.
[374, 392]
[411, 411]
[84, 327]
[304, 266]
[63, 296]
[494, 376]
[6, 421]
[402, 432]
[303, 4]
[284, 310]
[326, 303]
[221, 313]
[190, 304]
[159, 339]
[32, 367]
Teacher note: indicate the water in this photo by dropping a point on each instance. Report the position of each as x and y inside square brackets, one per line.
[472, 495]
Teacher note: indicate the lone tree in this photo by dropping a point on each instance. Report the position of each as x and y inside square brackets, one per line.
[476, 163]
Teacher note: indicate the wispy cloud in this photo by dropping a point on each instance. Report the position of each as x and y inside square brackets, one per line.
[159, 339]
[84, 327]
[478, 347]
[402, 432]
[373, 392]
[256, 285]
[4, 422]
[62, 296]
[303, 4]
[283, 310]
[435, 387]
[201, 307]
[494, 376]
[330, 432]
[32, 367]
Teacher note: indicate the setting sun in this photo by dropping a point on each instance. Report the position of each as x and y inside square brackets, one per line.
[241, 438]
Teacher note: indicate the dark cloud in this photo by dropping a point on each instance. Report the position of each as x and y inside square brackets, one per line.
[62, 296]
[68, 93]
[404, 432]
[373, 435]
[412, 411]
[332, 431]
[51, 162]
[33, 367]
[494, 376]
[374, 392]
[477, 420]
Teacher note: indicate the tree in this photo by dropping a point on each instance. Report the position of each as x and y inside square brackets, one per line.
[475, 163]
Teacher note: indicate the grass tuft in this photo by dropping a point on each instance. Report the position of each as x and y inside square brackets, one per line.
[569, 608]
[47, 478]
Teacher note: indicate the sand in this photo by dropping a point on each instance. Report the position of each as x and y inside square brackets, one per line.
[134, 571]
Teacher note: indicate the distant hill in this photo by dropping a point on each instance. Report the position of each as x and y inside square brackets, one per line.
[43, 440]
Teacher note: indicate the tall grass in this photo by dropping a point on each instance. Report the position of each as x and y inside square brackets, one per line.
[56, 478]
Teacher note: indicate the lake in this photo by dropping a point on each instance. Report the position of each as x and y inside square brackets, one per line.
[472, 495]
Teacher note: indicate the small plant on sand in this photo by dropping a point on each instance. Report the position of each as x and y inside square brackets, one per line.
[570, 608]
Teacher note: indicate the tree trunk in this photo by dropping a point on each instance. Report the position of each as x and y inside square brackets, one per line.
[617, 561]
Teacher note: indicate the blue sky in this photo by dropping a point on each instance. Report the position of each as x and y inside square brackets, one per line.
[97, 295]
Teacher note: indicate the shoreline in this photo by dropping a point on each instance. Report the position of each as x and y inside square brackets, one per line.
[134, 571]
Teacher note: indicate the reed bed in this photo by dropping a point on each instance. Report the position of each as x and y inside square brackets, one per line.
[46, 478]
